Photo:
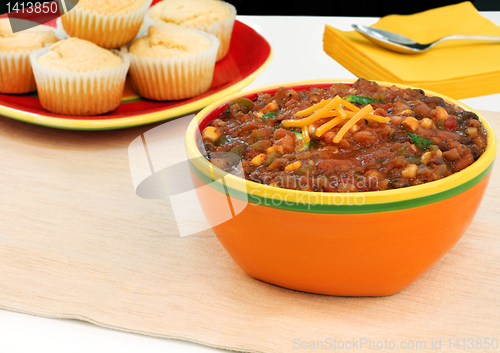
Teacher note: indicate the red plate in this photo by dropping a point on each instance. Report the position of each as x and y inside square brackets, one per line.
[238, 69]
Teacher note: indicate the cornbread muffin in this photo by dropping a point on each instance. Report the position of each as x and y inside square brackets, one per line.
[109, 23]
[173, 62]
[28, 40]
[79, 56]
[16, 75]
[76, 77]
[212, 16]
[110, 6]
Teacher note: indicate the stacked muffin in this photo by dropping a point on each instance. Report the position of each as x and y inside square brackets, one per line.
[109, 24]
[16, 75]
[214, 17]
[174, 60]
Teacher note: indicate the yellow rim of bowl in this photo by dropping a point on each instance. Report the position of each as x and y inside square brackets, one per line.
[373, 197]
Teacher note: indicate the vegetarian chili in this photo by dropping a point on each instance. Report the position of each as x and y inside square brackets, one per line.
[346, 138]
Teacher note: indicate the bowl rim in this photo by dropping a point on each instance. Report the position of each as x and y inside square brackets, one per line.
[459, 181]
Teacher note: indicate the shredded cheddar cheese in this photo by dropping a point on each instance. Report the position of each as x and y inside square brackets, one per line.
[329, 125]
[305, 134]
[350, 106]
[336, 108]
[341, 111]
[312, 109]
[319, 114]
[359, 115]
[379, 119]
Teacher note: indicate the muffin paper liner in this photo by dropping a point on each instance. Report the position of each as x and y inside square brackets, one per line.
[80, 93]
[16, 75]
[174, 78]
[105, 30]
[223, 30]
[60, 32]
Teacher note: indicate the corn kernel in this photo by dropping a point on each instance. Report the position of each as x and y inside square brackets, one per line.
[472, 131]
[211, 134]
[439, 113]
[293, 166]
[410, 123]
[274, 148]
[373, 174]
[270, 107]
[426, 157]
[426, 122]
[410, 171]
[259, 159]
[439, 153]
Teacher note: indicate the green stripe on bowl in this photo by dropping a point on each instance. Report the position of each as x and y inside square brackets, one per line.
[356, 207]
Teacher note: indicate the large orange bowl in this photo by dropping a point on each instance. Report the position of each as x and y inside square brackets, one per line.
[351, 244]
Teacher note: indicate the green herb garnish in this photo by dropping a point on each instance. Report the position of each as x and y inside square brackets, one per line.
[420, 141]
[361, 100]
[269, 115]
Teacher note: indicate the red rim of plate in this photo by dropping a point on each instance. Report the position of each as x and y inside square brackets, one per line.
[237, 70]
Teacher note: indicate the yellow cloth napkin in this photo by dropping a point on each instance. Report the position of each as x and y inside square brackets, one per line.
[457, 68]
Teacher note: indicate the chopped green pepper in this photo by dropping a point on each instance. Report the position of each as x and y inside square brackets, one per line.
[242, 102]
[270, 158]
[220, 141]
[414, 160]
[237, 150]
[257, 135]
[261, 145]
[420, 141]
[240, 149]
[308, 169]
[302, 146]
[361, 100]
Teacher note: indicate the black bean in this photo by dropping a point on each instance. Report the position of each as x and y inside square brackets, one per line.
[434, 102]
[465, 140]
[443, 146]
[399, 183]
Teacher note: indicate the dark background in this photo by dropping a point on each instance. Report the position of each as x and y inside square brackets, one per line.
[360, 8]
